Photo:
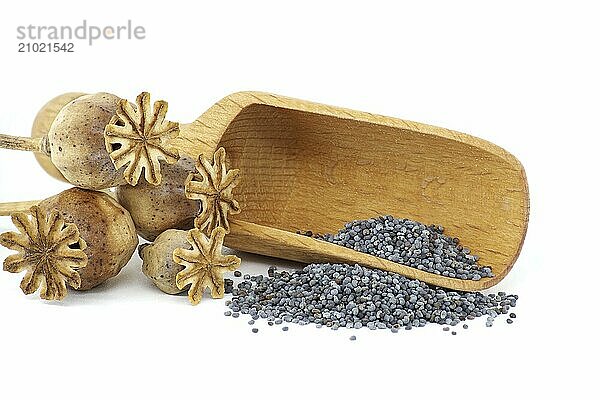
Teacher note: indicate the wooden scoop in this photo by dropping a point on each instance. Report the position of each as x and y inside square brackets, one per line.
[308, 166]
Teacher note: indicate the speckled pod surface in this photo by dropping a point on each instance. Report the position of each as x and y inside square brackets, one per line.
[106, 227]
[77, 146]
[158, 264]
[155, 209]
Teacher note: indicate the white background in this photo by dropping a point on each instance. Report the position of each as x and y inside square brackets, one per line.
[523, 75]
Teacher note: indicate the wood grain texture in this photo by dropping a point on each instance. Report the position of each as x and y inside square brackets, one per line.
[41, 127]
[308, 166]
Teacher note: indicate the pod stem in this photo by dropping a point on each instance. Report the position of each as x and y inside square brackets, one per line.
[16, 206]
[9, 208]
[38, 145]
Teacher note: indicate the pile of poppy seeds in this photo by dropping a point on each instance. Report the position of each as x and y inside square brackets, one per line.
[352, 296]
[413, 244]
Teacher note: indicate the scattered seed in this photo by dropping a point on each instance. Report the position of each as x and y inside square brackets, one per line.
[353, 297]
[237, 274]
[235, 314]
[341, 295]
[285, 328]
[251, 322]
[512, 315]
[509, 321]
[227, 313]
[254, 330]
[352, 337]
[453, 333]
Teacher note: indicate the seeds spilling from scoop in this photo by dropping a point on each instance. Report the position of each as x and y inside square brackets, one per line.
[341, 295]
[106, 236]
[413, 244]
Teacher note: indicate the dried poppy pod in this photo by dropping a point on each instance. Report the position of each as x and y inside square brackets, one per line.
[204, 264]
[155, 209]
[96, 225]
[158, 263]
[190, 194]
[188, 261]
[98, 141]
[213, 185]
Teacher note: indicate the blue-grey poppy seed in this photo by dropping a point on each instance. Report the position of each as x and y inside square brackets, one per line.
[442, 256]
[354, 297]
